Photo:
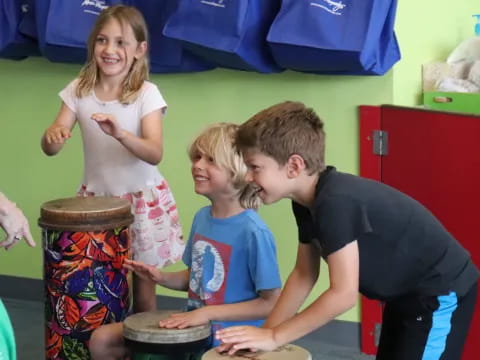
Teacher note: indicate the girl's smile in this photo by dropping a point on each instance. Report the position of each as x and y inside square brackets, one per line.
[116, 49]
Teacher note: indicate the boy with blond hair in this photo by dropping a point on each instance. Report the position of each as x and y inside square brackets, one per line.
[232, 275]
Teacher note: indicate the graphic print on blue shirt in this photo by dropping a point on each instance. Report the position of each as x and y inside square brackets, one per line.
[208, 271]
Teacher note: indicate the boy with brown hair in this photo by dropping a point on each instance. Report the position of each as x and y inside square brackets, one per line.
[374, 239]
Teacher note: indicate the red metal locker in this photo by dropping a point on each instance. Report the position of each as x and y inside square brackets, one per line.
[434, 157]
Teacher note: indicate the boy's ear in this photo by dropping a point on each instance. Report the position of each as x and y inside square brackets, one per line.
[295, 165]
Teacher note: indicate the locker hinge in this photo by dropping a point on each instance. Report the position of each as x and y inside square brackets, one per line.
[380, 142]
[377, 332]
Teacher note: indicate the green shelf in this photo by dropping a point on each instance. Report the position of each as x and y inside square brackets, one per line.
[452, 101]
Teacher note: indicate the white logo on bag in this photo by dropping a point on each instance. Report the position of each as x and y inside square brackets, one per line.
[331, 6]
[217, 3]
[99, 4]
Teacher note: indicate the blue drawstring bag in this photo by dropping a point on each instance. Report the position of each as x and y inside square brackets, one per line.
[228, 33]
[63, 27]
[335, 36]
[28, 25]
[13, 43]
[166, 54]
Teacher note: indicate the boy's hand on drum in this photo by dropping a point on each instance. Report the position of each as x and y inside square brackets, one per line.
[185, 319]
[144, 271]
[57, 134]
[224, 348]
[14, 223]
[108, 124]
[246, 337]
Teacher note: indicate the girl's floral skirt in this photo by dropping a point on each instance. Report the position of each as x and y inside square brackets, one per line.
[156, 234]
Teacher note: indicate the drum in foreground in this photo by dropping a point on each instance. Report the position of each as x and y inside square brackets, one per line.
[146, 340]
[285, 352]
[85, 242]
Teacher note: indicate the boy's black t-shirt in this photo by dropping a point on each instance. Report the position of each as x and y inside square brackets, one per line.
[403, 248]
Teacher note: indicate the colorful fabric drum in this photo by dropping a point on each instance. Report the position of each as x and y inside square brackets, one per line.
[286, 352]
[147, 340]
[85, 242]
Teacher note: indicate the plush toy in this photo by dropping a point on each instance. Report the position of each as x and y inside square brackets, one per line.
[463, 73]
[468, 50]
[463, 76]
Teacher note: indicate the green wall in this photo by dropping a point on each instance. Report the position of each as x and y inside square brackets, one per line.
[29, 103]
[427, 31]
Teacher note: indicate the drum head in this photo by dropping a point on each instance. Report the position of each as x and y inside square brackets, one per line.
[143, 327]
[286, 352]
[85, 213]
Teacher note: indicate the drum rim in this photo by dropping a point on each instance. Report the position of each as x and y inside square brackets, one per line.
[83, 218]
[169, 336]
[308, 355]
[118, 201]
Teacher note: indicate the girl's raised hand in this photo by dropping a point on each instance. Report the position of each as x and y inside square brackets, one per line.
[108, 124]
[57, 134]
[144, 271]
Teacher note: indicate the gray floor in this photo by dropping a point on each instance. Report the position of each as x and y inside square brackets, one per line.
[28, 322]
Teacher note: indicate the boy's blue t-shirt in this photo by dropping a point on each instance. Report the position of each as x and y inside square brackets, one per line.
[7, 339]
[230, 260]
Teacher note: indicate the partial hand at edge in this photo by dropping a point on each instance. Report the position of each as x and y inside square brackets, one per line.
[14, 223]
